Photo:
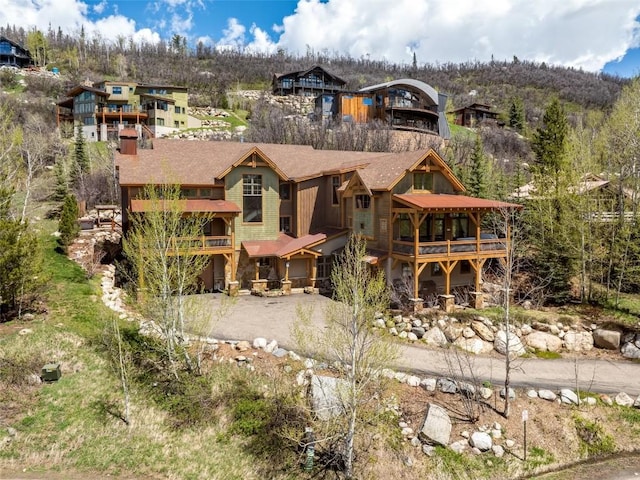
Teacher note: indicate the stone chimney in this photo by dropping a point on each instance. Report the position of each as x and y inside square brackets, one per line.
[128, 141]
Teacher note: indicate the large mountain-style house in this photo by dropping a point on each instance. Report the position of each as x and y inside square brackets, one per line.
[282, 212]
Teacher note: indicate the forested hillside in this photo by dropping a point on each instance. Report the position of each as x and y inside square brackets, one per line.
[212, 72]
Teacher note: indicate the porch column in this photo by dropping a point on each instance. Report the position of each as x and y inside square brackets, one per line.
[416, 251]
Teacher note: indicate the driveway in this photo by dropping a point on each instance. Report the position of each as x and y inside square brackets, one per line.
[250, 317]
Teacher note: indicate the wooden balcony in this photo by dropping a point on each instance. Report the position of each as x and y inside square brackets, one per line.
[127, 112]
[451, 249]
[204, 245]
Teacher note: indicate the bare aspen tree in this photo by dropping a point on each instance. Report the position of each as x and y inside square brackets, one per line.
[159, 246]
[358, 294]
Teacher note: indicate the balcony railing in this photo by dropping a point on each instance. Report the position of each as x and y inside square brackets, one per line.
[203, 244]
[124, 110]
[453, 248]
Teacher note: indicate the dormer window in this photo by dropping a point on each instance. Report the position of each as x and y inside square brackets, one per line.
[363, 202]
[423, 181]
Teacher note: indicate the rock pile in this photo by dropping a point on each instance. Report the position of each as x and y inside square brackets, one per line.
[481, 335]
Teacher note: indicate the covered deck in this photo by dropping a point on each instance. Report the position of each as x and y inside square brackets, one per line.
[445, 230]
[218, 237]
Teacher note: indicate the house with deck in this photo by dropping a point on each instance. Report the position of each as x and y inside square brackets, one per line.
[405, 104]
[309, 83]
[108, 107]
[474, 115]
[281, 213]
[12, 54]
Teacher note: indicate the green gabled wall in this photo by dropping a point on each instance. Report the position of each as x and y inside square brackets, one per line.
[269, 228]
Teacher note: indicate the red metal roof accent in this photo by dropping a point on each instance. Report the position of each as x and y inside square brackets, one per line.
[194, 205]
[433, 201]
[282, 247]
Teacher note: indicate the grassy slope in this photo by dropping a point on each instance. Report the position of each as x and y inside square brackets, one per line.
[66, 426]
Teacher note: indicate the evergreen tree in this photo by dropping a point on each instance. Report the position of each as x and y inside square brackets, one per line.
[68, 225]
[478, 179]
[80, 156]
[516, 115]
[549, 144]
[62, 182]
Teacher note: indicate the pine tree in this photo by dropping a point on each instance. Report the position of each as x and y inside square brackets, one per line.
[478, 179]
[68, 225]
[80, 156]
[549, 143]
[516, 115]
[62, 182]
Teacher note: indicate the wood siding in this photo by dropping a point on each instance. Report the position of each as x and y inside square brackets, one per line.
[269, 227]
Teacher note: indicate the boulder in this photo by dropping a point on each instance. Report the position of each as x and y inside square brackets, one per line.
[473, 345]
[436, 427]
[516, 348]
[435, 337]
[498, 451]
[481, 440]
[446, 385]
[578, 341]
[544, 342]
[460, 446]
[547, 395]
[413, 381]
[512, 393]
[453, 332]
[607, 339]
[243, 346]
[429, 384]
[259, 342]
[326, 396]
[630, 350]
[623, 400]
[568, 397]
[468, 332]
[483, 331]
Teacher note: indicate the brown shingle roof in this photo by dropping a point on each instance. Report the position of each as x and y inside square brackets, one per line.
[284, 246]
[190, 162]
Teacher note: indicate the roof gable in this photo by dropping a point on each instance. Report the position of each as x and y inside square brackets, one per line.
[254, 158]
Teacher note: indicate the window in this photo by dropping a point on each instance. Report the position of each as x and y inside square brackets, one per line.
[422, 181]
[204, 193]
[160, 122]
[116, 90]
[324, 267]
[285, 191]
[285, 224]
[438, 227]
[178, 109]
[335, 185]
[459, 225]
[363, 202]
[252, 198]
[176, 124]
[188, 192]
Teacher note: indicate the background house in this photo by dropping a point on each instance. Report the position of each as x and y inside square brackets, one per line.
[475, 114]
[108, 107]
[310, 83]
[13, 54]
[404, 104]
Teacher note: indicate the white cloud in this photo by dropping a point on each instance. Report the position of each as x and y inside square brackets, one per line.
[233, 35]
[579, 33]
[261, 41]
[71, 16]
[99, 7]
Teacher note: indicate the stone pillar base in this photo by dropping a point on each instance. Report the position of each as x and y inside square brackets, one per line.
[478, 300]
[286, 287]
[447, 303]
[233, 289]
[417, 304]
[258, 286]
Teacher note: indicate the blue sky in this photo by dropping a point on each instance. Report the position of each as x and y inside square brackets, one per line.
[595, 35]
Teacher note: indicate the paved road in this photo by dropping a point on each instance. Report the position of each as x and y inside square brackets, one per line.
[250, 317]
